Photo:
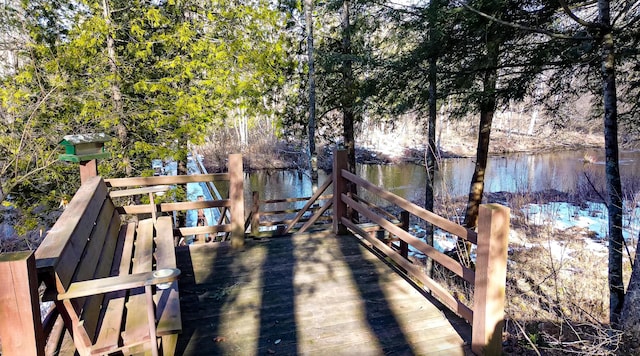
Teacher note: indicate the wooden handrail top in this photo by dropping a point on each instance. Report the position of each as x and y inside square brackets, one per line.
[139, 191]
[169, 207]
[54, 243]
[166, 180]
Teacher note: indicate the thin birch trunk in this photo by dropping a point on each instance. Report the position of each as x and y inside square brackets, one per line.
[116, 93]
[313, 155]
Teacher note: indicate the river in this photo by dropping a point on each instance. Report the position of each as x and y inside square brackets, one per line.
[561, 171]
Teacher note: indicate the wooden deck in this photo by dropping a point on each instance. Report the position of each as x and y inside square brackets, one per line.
[311, 294]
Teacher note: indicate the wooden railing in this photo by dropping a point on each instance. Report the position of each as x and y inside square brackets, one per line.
[486, 315]
[21, 331]
[313, 212]
[232, 206]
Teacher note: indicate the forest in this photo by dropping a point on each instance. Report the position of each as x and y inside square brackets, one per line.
[161, 77]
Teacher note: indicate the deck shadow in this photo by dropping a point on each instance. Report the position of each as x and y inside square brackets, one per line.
[199, 314]
[459, 324]
[237, 302]
[278, 328]
[380, 318]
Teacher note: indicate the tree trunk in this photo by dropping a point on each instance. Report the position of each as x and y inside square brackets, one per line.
[313, 155]
[113, 61]
[476, 189]
[348, 95]
[348, 98]
[116, 93]
[431, 156]
[536, 112]
[630, 317]
[435, 40]
[612, 168]
[487, 109]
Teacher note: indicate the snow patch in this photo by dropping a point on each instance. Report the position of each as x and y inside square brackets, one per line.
[559, 216]
[591, 216]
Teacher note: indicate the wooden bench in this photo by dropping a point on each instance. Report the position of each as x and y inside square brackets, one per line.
[108, 277]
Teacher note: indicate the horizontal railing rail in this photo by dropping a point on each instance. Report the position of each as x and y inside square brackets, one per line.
[166, 180]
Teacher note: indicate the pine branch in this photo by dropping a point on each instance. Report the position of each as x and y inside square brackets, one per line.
[575, 18]
[527, 28]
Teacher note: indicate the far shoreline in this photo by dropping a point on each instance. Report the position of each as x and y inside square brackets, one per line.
[285, 156]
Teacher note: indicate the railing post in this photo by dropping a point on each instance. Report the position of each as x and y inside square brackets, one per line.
[20, 326]
[339, 187]
[404, 246]
[255, 214]
[88, 169]
[491, 274]
[236, 196]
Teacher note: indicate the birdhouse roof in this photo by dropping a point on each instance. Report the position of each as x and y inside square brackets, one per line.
[85, 138]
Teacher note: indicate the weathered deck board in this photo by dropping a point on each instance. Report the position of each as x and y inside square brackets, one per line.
[308, 294]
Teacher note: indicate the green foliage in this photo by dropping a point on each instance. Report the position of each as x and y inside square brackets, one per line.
[155, 76]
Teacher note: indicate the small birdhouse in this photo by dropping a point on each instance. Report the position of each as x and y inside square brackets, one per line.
[85, 147]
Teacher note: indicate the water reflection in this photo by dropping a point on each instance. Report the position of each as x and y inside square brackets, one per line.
[562, 171]
[285, 183]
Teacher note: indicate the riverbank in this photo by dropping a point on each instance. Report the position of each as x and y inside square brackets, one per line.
[502, 143]
[390, 150]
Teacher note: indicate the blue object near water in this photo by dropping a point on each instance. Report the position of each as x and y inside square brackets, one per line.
[194, 190]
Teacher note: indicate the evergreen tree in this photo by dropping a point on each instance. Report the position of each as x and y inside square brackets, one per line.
[153, 75]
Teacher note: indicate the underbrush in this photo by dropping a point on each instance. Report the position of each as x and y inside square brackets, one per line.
[557, 296]
[553, 306]
[265, 151]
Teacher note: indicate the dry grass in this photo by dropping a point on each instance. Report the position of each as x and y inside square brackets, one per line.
[265, 151]
[557, 297]
[557, 291]
[553, 306]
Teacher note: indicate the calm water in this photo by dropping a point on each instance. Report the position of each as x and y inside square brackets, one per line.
[562, 171]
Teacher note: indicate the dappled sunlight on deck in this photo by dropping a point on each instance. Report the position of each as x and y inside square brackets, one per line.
[307, 294]
[330, 312]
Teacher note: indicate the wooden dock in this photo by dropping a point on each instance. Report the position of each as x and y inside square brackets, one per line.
[309, 294]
